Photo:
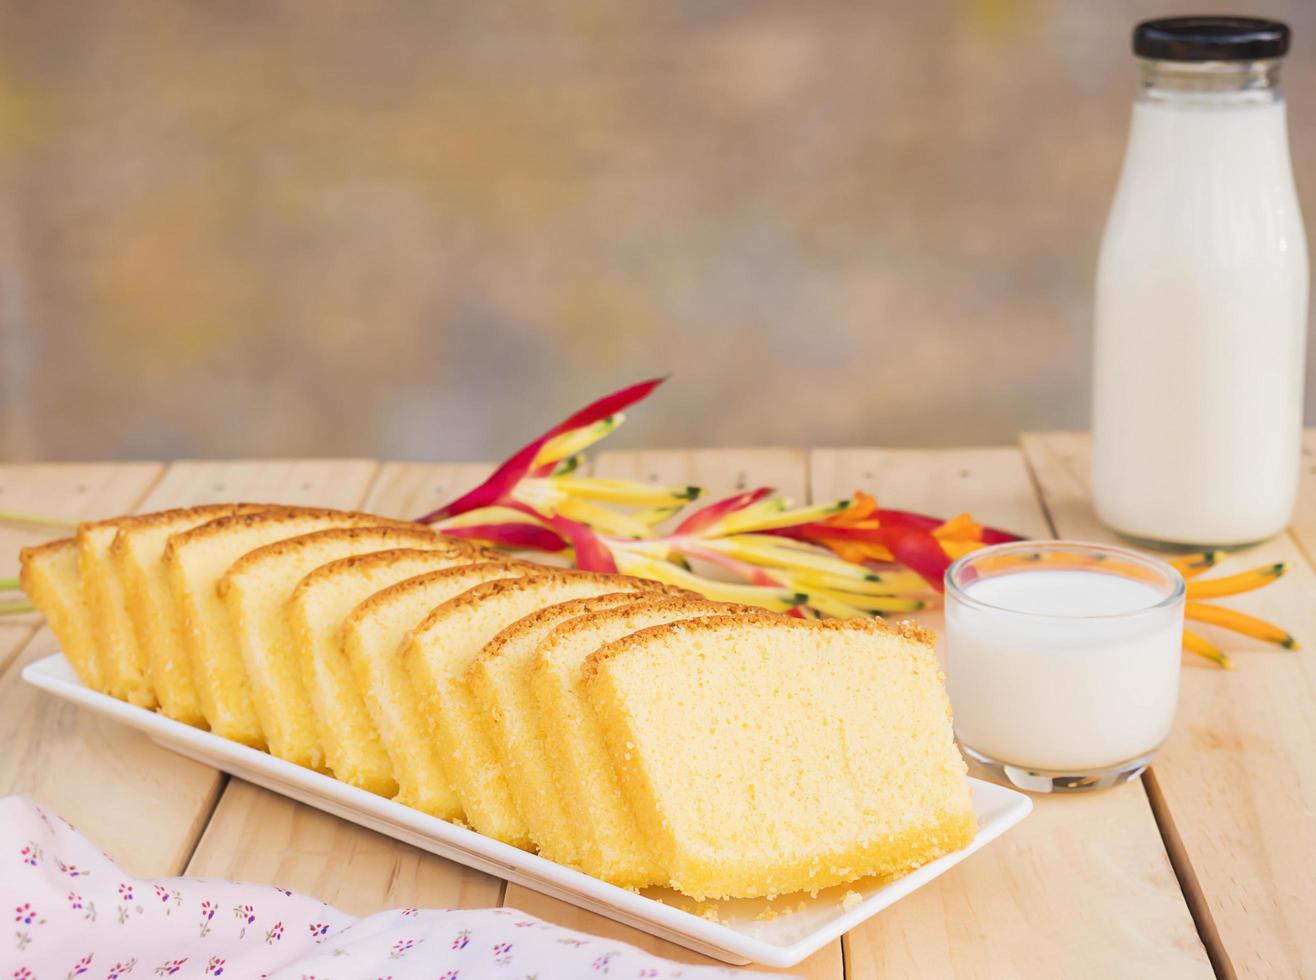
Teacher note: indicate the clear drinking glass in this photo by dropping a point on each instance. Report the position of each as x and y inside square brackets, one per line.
[1062, 661]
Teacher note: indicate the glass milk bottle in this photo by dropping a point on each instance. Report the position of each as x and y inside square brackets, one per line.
[1201, 301]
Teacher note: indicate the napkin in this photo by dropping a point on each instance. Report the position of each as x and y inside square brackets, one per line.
[73, 913]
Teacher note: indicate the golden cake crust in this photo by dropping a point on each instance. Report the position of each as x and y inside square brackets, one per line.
[273, 515]
[419, 533]
[907, 630]
[722, 610]
[36, 551]
[381, 558]
[576, 607]
[202, 512]
[384, 596]
[478, 594]
[529, 624]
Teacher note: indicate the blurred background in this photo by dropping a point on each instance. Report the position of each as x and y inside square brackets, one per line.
[428, 230]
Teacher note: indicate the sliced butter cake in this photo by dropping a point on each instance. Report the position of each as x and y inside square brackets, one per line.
[498, 681]
[137, 555]
[606, 838]
[372, 638]
[763, 755]
[196, 560]
[438, 653]
[256, 588]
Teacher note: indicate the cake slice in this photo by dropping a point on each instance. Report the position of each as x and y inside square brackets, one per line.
[196, 560]
[315, 613]
[123, 661]
[440, 650]
[763, 755]
[498, 682]
[605, 838]
[372, 635]
[49, 575]
[137, 556]
[257, 586]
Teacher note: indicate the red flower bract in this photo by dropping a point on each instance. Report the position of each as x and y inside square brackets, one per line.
[508, 475]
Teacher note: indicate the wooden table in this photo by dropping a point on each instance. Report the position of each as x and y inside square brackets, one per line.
[1205, 865]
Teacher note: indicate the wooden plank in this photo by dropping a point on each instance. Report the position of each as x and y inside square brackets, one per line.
[1303, 525]
[720, 472]
[42, 749]
[146, 806]
[260, 836]
[1083, 887]
[414, 489]
[1235, 784]
[304, 482]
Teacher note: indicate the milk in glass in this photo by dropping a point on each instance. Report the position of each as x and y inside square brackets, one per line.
[1062, 661]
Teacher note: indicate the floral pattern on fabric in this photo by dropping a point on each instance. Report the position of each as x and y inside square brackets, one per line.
[174, 927]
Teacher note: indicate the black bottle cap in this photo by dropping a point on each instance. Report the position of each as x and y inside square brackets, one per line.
[1211, 39]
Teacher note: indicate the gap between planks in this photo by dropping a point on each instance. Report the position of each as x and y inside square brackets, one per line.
[46, 744]
[1083, 886]
[1233, 783]
[1189, 886]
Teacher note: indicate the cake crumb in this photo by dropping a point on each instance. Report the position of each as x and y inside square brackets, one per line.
[850, 900]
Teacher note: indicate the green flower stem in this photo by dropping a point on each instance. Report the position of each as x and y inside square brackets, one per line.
[38, 520]
[14, 608]
[9, 585]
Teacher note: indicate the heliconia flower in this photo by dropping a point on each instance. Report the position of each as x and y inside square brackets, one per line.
[592, 555]
[518, 465]
[564, 447]
[865, 533]
[845, 558]
[707, 516]
[519, 536]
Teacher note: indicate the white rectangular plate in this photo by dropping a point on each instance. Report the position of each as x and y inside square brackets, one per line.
[779, 933]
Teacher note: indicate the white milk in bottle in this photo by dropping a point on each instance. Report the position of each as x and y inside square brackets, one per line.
[1201, 301]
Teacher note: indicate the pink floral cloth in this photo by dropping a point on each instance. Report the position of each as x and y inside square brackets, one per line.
[75, 914]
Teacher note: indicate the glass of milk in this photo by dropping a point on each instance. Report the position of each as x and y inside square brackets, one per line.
[1062, 661]
[1201, 295]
